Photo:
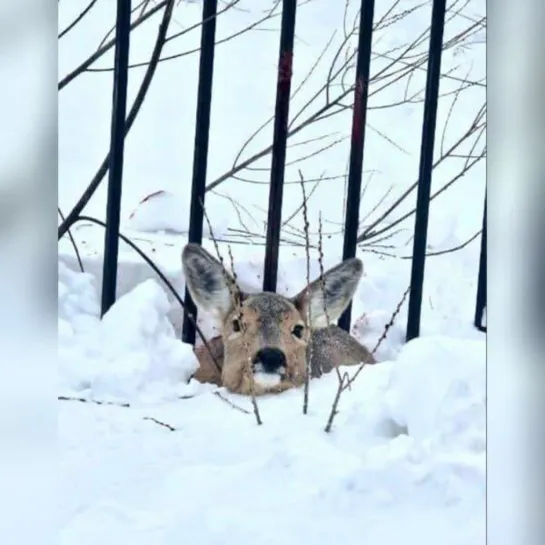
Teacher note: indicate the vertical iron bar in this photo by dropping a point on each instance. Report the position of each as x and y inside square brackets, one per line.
[200, 153]
[117, 148]
[481, 282]
[359, 116]
[426, 166]
[280, 137]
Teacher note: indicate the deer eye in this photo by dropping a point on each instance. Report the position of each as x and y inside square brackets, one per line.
[298, 331]
[236, 325]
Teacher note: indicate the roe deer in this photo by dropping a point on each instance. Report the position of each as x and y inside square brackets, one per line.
[267, 334]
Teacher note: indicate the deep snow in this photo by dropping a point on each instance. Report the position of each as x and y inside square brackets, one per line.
[405, 460]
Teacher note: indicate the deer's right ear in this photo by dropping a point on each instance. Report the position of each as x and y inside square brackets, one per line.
[207, 280]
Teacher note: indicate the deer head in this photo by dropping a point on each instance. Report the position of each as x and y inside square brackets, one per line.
[265, 335]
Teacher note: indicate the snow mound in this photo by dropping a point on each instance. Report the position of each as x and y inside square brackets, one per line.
[405, 461]
[131, 355]
[78, 307]
[161, 211]
[436, 398]
[438, 390]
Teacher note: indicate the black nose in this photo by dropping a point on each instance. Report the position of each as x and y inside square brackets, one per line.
[271, 359]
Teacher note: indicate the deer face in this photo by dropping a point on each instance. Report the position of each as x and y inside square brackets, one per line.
[265, 335]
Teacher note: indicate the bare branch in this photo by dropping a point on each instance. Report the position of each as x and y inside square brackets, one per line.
[78, 19]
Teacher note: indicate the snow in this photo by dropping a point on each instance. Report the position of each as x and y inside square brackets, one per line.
[160, 212]
[131, 355]
[405, 459]
[148, 455]
[399, 463]
[267, 379]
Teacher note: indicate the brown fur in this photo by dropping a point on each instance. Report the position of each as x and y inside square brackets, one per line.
[208, 371]
[267, 320]
[258, 313]
[332, 347]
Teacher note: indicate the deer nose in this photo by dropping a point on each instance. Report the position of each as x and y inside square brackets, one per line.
[271, 359]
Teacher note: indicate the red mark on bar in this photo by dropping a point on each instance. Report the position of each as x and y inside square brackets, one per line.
[356, 120]
[285, 68]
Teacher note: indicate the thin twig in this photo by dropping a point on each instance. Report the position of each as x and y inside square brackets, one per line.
[369, 232]
[143, 5]
[368, 235]
[238, 306]
[78, 19]
[194, 50]
[236, 299]
[106, 47]
[93, 401]
[346, 384]
[308, 354]
[73, 241]
[230, 403]
[163, 424]
[323, 283]
[135, 109]
[334, 406]
[158, 272]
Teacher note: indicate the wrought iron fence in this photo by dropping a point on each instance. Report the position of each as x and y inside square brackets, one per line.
[121, 124]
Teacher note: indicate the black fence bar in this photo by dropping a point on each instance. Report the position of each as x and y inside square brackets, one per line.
[359, 116]
[200, 153]
[117, 148]
[481, 282]
[426, 167]
[280, 138]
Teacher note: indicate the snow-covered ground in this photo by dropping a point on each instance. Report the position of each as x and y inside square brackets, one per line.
[165, 461]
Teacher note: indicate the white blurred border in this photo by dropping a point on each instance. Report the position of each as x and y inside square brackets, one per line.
[28, 195]
[28, 220]
[516, 191]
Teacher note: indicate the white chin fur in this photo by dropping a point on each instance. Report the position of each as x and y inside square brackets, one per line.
[267, 379]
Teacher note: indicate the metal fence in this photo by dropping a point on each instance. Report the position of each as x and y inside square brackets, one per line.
[121, 124]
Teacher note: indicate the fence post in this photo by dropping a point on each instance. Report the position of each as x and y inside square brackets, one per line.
[117, 148]
[359, 116]
[426, 167]
[283, 88]
[200, 153]
[481, 282]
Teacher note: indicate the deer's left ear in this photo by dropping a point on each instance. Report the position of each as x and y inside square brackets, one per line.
[325, 303]
[209, 284]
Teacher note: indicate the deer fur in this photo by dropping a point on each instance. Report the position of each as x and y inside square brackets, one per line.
[267, 335]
